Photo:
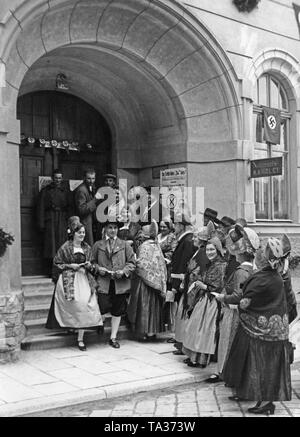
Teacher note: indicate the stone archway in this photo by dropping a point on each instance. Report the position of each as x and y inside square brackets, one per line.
[154, 71]
[151, 68]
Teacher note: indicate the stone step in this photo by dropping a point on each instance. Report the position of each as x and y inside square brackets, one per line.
[36, 326]
[36, 284]
[32, 298]
[37, 311]
[62, 339]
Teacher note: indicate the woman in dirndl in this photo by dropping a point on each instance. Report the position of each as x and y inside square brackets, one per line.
[145, 309]
[241, 242]
[199, 341]
[74, 304]
[258, 365]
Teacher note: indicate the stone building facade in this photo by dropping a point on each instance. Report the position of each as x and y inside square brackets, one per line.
[180, 84]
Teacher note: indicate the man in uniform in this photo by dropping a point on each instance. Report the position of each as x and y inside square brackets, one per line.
[54, 206]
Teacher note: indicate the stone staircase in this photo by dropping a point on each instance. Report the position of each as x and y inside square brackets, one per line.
[38, 291]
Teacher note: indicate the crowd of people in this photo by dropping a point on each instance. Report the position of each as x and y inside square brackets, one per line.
[224, 295]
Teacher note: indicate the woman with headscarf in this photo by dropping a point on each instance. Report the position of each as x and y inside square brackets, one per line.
[241, 243]
[258, 365]
[74, 304]
[199, 341]
[149, 289]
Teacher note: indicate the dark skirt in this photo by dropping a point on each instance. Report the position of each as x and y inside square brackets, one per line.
[52, 322]
[145, 309]
[259, 370]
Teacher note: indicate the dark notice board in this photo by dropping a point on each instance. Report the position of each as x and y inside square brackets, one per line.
[266, 167]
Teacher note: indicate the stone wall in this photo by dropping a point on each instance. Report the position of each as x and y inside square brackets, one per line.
[11, 326]
[12, 329]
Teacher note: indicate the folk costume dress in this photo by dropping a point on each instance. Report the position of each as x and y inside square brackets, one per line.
[180, 258]
[258, 365]
[167, 244]
[145, 310]
[74, 303]
[199, 340]
[229, 313]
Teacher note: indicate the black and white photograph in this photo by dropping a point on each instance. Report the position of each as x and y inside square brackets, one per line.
[150, 211]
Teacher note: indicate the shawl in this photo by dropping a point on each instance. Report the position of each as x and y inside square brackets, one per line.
[168, 245]
[151, 266]
[263, 308]
[234, 284]
[65, 255]
[213, 277]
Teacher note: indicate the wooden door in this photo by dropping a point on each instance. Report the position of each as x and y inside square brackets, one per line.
[30, 169]
[55, 115]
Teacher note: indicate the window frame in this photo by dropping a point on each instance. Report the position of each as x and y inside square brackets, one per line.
[285, 115]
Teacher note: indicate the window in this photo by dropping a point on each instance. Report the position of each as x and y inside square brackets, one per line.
[271, 194]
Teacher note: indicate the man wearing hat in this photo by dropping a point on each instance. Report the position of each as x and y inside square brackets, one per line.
[114, 196]
[179, 261]
[110, 180]
[210, 215]
[115, 261]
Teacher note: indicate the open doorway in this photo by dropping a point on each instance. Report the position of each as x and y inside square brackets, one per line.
[58, 130]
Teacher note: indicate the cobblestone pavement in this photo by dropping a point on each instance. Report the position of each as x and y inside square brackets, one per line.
[193, 400]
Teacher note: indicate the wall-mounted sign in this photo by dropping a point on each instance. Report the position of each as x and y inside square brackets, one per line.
[266, 167]
[156, 171]
[173, 177]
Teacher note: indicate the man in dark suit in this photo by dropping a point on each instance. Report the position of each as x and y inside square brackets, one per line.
[86, 202]
[182, 254]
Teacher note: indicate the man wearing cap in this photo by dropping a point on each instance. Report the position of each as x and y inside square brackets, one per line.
[111, 209]
[86, 202]
[54, 206]
[115, 261]
[180, 258]
[110, 180]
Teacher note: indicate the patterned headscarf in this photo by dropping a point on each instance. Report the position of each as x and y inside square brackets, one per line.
[274, 252]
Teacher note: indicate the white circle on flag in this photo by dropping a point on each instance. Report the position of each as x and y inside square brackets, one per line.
[272, 122]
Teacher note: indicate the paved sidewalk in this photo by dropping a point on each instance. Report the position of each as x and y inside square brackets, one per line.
[54, 378]
[188, 401]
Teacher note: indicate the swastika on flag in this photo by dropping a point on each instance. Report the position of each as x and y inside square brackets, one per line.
[272, 122]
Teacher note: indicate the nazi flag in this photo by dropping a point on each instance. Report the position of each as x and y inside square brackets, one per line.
[271, 125]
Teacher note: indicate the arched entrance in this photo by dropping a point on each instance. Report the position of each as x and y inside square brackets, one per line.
[155, 73]
[58, 130]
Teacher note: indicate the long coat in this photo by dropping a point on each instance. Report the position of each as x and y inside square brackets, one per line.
[86, 204]
[54, 206]
[180, 258]
[121, 258]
